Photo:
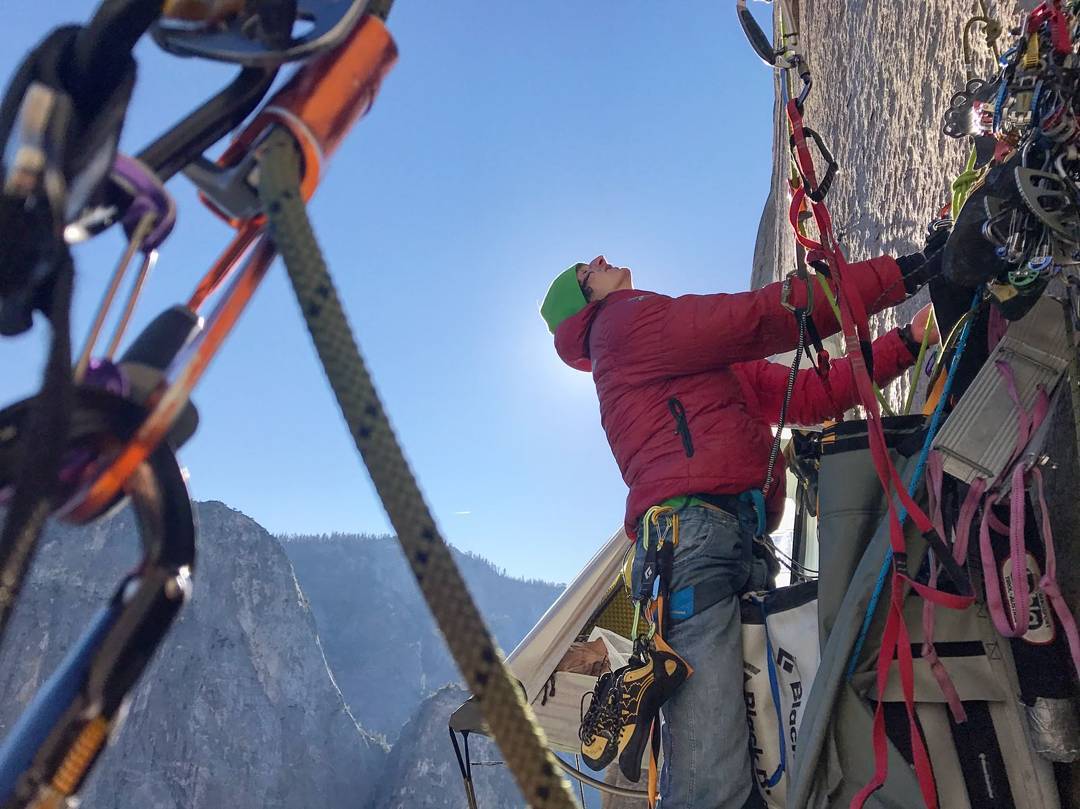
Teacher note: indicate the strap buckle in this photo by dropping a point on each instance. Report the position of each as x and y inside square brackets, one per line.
[785, 293]
[900, 563]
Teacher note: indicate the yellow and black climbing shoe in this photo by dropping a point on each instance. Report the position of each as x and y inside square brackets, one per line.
[600, 725]
[625, 704]
[640, 688]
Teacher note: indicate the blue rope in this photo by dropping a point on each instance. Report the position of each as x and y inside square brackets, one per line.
[916, 478]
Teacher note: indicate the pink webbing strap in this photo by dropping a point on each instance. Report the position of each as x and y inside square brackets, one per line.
[935, 478]
[1048, 582]
[1012, 623]
[856, 329]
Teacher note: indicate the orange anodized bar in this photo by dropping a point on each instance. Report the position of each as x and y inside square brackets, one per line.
[318, 106]
[321, 103]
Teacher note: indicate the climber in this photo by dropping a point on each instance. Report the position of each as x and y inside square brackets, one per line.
[687, 399]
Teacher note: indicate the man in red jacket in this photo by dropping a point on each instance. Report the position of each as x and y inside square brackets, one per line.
[688, 400]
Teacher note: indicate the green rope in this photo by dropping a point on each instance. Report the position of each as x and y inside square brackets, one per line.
[919, 362]
[506, 713]
[965, 183]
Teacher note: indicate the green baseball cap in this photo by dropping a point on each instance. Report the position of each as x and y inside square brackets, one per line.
[564, 298]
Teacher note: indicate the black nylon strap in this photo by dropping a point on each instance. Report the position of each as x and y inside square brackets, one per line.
[43, 445]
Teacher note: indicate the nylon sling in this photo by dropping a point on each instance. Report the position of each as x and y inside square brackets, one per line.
[855, 326]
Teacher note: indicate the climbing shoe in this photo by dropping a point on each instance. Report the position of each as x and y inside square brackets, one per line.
[639, 689]
[600, 725]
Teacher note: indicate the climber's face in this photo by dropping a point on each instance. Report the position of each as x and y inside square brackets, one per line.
[598, 279]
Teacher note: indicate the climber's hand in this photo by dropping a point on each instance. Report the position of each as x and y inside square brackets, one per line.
[918, 268]
[924, 323]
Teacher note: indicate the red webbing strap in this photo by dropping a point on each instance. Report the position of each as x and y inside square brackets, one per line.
[855, 325]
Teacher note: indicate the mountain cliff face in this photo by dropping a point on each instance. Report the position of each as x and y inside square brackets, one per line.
[380, 640]
[238, 709]
[422, 772]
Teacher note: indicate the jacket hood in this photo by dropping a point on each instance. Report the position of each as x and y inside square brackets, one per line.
[572, 338]
[572, 335]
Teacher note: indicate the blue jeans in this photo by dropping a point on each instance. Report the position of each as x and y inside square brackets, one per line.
[706, 744]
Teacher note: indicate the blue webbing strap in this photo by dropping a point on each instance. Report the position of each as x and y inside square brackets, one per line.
[756, 498]
[774, 684]
[916, 478]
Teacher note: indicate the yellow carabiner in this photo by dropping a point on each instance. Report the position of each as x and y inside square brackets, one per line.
[1030, 59]
[652, 517]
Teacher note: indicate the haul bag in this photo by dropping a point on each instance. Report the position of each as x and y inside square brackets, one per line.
[780, 659]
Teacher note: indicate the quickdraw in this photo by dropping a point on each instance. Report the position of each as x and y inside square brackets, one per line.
[659, 538]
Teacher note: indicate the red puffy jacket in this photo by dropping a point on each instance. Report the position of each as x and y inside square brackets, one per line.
[707, 352]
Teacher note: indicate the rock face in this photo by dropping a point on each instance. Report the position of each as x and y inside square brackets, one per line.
[883, 75]
[382, 644]
[422, 772]
[238, 710]
[882, 79]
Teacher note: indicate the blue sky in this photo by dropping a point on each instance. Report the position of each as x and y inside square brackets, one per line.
[512, 139]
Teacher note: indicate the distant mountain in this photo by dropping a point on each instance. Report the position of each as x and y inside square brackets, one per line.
[422, 771]
[381, 643]
[237, 711]
[240, 708]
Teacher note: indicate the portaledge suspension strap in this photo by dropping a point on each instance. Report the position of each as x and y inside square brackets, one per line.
[506, 713]
[856, 329]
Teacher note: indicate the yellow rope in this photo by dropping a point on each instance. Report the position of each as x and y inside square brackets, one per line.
[965, 183]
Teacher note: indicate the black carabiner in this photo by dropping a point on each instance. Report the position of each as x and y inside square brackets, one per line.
[755, 36]
[818, 194]
[56, 742]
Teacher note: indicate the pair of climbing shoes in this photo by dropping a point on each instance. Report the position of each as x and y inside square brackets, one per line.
[626, 703]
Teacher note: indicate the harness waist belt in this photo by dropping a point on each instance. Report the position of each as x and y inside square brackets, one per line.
[728, 503]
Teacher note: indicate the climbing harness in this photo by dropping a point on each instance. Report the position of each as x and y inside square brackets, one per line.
[106, 432]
